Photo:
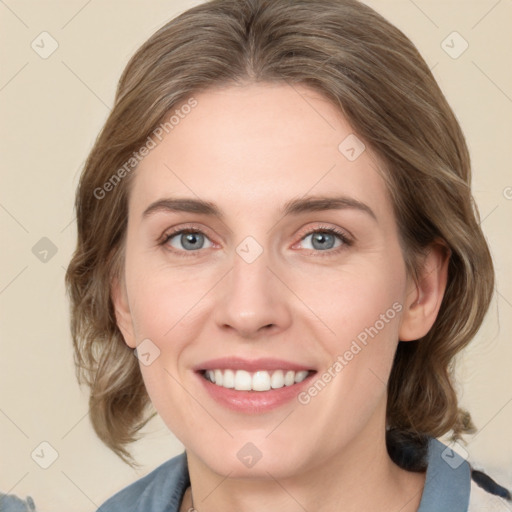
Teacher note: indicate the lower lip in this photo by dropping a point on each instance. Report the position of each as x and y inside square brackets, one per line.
[253, 402]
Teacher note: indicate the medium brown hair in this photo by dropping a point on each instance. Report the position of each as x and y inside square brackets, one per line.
[373, 73]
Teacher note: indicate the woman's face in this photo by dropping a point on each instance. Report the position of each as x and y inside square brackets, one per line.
[261, 292]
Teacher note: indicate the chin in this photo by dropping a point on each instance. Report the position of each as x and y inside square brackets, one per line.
[254, 460]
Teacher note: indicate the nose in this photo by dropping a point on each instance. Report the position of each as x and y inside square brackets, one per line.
[253, 302]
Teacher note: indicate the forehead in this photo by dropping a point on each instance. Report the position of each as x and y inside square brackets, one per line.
[257, 146]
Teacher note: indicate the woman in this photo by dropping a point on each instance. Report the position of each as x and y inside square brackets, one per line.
[277, 219]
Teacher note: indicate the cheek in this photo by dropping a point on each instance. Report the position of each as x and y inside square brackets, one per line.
[166, 306]
[357, 299]
[362, 308]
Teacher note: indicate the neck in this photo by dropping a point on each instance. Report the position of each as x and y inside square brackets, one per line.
[361, 476]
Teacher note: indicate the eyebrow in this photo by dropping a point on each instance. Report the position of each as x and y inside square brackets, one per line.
[292, 207]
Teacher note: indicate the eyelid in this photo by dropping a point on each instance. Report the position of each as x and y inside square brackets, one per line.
[170, 232]
[344, 234]
[347, 240]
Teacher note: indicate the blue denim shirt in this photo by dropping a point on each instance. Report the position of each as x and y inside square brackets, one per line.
[447, 487]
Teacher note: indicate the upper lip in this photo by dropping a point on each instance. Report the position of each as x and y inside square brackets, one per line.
[250, 365]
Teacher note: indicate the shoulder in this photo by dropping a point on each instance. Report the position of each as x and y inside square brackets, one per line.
[459, 479]
[452, 483]
[11, 503]
[161, 490]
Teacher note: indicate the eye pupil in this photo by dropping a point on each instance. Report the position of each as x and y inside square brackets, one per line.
[190, 240]
[323, 240]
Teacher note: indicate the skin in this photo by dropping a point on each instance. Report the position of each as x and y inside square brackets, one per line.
[249, 149]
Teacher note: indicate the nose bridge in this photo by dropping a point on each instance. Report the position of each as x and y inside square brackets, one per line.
[252, 297]
[250, 268]
[251, 284]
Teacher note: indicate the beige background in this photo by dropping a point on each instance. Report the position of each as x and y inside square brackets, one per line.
[51, 111]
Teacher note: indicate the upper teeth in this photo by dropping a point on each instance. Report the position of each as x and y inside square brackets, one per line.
[256, 381]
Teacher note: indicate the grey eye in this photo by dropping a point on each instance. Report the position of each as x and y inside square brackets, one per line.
[188, 240]
[322, 240]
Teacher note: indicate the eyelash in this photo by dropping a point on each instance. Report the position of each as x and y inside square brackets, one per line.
[346, 241]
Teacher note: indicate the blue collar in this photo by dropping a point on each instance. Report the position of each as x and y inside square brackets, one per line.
[448, 480]
[447, 485]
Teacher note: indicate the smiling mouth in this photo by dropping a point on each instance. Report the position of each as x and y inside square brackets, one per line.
[261, 380]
